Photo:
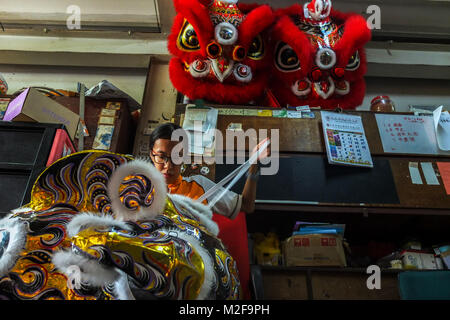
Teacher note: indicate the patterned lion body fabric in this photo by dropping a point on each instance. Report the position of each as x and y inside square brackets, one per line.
[220, 50]
[319, 56]
[74, 241]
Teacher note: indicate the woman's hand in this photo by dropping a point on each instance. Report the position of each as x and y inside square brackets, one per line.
[264, 154]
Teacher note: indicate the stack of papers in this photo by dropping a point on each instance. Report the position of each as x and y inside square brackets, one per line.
[200, 124]
[305, 228]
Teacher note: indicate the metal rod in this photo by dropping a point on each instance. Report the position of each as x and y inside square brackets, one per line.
[81, 90]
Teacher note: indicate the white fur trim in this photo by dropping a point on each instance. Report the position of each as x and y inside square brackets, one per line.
[21, 210]
[207, 290]
[238, 77]
[299, 93]
[227, 42]
[322, 94]
[86, 220]
[90, 270]
[17, 239]
[319, 62]
[345, 91]
[197, 73]
[137, 167]
[122, 288]
[199, 210]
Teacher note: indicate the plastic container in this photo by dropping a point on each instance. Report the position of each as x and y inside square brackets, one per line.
[382, 104]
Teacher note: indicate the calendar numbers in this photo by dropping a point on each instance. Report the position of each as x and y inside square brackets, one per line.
[348, 147]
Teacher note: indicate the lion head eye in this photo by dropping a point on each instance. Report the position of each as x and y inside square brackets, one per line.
[256, 50]
[353, 62]
[188, 39]
[286, 59]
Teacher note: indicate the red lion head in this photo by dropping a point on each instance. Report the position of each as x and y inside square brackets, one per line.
[220, 51]
[319, 56]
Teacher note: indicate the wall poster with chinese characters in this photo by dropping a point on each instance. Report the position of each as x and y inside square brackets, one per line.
[408, 134]
[345, 140]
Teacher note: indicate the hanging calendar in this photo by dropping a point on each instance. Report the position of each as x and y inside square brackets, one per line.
[345, 140]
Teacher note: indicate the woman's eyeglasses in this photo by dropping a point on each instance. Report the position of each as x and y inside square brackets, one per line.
[161, 159]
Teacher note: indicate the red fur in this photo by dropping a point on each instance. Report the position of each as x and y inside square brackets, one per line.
[285, 30]
[256, 22]
[285, 96]
[216, 92]
[356, 34]
[198, 16]
[258, 19]
[293, 10]
[247, 7]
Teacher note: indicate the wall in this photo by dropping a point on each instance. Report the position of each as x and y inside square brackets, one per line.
[130, 10]
[131, 81]
[405, 92]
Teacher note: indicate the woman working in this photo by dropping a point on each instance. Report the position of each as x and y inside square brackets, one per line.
[230, 205]
[232, 232]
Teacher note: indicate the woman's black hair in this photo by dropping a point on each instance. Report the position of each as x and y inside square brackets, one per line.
[163, 131]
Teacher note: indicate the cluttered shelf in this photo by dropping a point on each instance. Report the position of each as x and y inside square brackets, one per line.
[302, 131]
[270, 268]
[400, 156]
[40, 125]
[400, 192]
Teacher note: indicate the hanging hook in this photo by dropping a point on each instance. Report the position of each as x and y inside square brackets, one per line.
[388, 49]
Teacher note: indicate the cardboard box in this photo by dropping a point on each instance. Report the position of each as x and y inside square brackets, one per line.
[3, 106]
[314, 250]
[33, 106]
[415, 259]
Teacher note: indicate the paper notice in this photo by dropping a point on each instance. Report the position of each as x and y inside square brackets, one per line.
[407, 134]
[280, 113]
[428, 172]
[294, 114]
[415, 173]
[442, 128]
[264, 113]
[444, 169]
[231, 112]
[196, 114]
[303, 108]
[251, 112]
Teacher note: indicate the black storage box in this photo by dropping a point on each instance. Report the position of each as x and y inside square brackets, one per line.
[24, 153]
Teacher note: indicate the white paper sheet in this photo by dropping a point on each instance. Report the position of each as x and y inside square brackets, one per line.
[429, 173]
[407, 134]
[415, 173]
[200, 125]
[442, 128]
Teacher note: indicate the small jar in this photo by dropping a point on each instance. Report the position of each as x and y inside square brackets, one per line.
[382, 104]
